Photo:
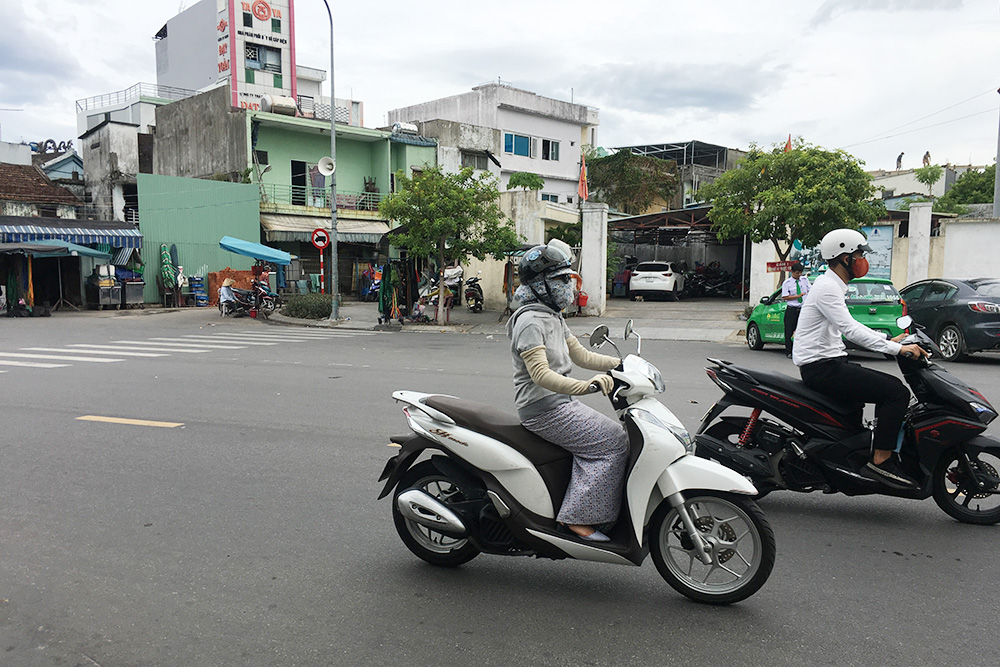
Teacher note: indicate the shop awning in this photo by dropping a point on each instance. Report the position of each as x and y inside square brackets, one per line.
[255, 250]
[14, 229]
[300, 228]
[67, 248]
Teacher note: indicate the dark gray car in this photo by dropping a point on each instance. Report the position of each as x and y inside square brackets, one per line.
[962, 316]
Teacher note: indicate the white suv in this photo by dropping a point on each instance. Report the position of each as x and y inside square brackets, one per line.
[656, 278]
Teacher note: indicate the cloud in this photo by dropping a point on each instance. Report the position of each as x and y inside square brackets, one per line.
[32, 61]
[831, 9]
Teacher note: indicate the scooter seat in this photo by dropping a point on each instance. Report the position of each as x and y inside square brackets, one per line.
[553, 463]
[797, 389]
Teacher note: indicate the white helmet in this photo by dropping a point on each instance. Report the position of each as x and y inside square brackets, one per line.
[839, 241]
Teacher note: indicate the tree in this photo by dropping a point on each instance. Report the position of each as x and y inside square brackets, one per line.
[929, 175]
[781, 196]
[972, 187]
[451, 216]
[525, 180]
[630, 183]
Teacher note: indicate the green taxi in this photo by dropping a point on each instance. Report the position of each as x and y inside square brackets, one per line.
[872, 301]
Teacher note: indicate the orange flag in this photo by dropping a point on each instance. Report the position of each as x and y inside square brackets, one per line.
[788, 144]
[582, 188]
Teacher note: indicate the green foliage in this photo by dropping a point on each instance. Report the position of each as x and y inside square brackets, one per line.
[630, 183]
[309, 306]
[449, 216]
[800, 194]
[571, 233]
[526, 181]
[972, 187]
[929, 175]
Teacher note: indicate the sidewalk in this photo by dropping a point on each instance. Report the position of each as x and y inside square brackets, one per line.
[712, 320]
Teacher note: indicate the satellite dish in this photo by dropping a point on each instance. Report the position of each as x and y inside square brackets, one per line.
[327, 166]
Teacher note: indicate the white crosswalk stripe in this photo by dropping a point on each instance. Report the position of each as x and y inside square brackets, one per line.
[180, 342]
[279, 339]
[284, 336]
[224, 338]
[22, 355]
[30, 364]
[86, 346]
[115, 352]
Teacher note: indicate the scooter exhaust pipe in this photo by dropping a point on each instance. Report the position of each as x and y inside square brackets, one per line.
[426, 510]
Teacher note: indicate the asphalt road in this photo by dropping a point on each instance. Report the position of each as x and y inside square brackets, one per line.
[250, 534]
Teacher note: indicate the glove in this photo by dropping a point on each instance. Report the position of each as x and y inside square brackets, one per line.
[605, 382]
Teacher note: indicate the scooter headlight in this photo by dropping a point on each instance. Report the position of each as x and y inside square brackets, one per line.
[679, 432]
[985, 414]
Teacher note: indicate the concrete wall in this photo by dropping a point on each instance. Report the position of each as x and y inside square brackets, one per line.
[30, 210]
[187, 56]
[454, 137]
[201, 136]
[111, 158]
[14, 153]
[969, 249]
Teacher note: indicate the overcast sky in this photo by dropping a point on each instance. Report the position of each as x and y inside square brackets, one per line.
[875, 77]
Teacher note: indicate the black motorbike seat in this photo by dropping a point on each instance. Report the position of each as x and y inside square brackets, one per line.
[798, 389]
[502, 426]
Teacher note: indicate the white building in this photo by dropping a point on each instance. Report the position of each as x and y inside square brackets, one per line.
[904, 181]
[537, 134]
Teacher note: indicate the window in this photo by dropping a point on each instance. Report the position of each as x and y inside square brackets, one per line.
[518, 144]
[262, 57]
[474, 160]
[552, 198]
[249, 75]
[939, 292]
[550, 150]
[47, 211]
[261, 157]
[247, 20]
[275, 25]
[277, 81]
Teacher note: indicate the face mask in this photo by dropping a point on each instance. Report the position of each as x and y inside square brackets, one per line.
[562, 292]
[860, 267]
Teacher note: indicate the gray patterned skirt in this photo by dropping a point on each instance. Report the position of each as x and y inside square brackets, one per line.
[599, 446]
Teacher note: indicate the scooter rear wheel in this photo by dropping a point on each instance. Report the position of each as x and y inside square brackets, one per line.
[430, 545]
[741, 544]
[961, 497]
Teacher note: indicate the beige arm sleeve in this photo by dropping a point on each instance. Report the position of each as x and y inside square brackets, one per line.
[584, 358]
[545, 377]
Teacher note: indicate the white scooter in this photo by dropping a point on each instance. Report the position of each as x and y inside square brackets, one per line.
[486, 484]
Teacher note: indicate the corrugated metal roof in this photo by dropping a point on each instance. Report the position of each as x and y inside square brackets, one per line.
[300, 228]
[412, 140]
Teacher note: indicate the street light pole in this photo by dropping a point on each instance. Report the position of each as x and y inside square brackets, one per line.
[334, 272]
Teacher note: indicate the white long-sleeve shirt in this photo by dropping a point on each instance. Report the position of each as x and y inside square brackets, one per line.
[825, 318]
[788, 289]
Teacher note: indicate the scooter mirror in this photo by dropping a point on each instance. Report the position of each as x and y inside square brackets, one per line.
[904, 322]
[628, 329]
[599, 336]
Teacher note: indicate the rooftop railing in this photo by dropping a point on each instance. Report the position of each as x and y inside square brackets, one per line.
[306, 195]
[132, 93]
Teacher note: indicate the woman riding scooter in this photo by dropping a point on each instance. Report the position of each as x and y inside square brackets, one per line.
[544, 351]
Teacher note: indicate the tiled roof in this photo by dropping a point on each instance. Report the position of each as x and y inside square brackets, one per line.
[23, 182]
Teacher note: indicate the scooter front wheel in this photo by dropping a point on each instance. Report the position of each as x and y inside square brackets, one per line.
[969, 498]
[736, 535]
[427, 544]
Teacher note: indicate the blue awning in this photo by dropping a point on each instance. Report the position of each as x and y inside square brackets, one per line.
[255, 250]
[125, 236]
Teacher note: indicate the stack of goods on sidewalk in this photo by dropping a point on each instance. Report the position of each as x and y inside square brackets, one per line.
[198, 290]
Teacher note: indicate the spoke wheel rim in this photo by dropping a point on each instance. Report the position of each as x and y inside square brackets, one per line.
[735, 546]
[949, 342]
[957, 485]
[442, 489]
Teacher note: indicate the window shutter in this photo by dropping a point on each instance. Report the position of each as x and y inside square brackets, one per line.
[534, 147]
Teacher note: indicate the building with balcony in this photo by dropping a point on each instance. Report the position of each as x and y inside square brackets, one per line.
[536, 134]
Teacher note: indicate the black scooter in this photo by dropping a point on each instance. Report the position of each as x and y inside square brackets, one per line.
[474, 294]
[810, 442]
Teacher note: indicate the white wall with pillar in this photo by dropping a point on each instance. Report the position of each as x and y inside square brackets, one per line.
[919, 255]
[594, 257]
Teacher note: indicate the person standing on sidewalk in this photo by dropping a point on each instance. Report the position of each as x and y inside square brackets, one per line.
[793, 293]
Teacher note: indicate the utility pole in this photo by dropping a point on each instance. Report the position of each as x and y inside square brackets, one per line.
[996, 182]
[334, 273]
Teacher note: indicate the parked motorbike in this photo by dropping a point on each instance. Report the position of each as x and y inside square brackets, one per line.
[474, 294]
[488, 485]
[816, 443]
[243, 304]
[267, 301]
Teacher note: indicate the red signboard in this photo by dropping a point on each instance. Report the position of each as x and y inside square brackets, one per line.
[778, 267]
[320, 238]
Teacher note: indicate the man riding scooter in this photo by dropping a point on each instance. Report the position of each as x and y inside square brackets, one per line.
[819, 352]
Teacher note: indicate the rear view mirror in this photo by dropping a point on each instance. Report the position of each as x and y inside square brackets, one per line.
[599, 337]
[628, 329]
[904, 322]
[763, 299]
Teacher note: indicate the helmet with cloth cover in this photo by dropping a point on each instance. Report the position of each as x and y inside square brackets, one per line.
[551, 259]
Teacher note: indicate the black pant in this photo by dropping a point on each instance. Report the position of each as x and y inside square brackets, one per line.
[791, 320]
[844, 380]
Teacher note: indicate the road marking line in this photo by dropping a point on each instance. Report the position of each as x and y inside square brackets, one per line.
[278, 339]
[225, 339]
[286, 336]
[57, 357]
[294, 332]
[29, 364]
[132, 422]
[124, 354]
[144, 349]
[169, 341]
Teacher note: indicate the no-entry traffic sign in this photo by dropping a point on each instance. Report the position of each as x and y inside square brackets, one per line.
[320, 238]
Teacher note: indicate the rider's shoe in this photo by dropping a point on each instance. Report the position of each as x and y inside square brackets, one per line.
[889, 473]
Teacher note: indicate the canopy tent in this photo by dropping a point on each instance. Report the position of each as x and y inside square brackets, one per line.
[255, 250]
[28, 248]
[64, 248]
